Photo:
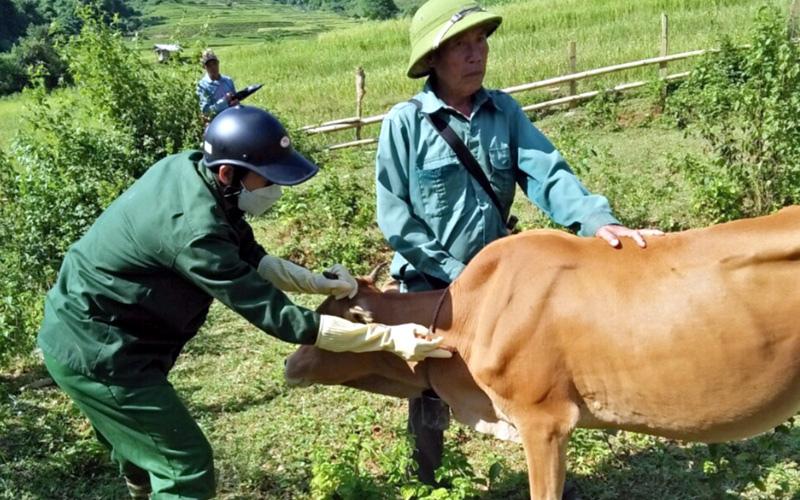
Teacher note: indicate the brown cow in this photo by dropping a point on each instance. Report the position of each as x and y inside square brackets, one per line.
[695, 338]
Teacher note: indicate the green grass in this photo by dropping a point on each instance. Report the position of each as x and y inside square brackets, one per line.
[10, 109]
[265, 434]
[313, 80]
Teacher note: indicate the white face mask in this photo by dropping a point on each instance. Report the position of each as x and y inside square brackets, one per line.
[259, 200]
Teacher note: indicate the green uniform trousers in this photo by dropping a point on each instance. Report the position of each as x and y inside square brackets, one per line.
[148, 430]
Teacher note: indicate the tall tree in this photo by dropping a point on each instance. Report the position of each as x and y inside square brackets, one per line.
[377, 9]
[12, 24]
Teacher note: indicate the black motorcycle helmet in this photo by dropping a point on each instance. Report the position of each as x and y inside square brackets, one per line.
[249, 137]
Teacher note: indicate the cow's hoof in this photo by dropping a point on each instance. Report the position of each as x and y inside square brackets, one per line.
[570, 492]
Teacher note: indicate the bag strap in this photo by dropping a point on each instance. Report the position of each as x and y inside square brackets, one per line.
[463, 153]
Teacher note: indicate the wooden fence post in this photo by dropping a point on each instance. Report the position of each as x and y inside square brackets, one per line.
[573, 68]
[664, 44]
[793, 14]
[359, 97]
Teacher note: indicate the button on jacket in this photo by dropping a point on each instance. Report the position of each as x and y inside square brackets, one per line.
[212, 93]
[138, 285]
[436, 215]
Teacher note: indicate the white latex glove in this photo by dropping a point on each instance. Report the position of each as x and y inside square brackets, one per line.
[290, 277]
[410, 341]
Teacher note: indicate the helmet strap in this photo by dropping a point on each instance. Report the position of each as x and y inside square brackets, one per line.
[230, 192]
[233, 189]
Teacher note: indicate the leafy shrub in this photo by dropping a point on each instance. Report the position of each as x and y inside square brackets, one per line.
[746, 104]
[27, 39]
[12, 77]
[604, 109]
[377, 9]
[36, 52]
[340, 212]
[76, 152]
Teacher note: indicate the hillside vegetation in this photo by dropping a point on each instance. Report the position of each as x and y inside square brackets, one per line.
[233, 23]
[722, 145]
[313, 81]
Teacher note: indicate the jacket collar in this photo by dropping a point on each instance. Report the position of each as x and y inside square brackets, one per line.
[230, 209]
[431, 102]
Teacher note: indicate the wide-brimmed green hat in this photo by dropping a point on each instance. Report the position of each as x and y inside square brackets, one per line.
[439, 20]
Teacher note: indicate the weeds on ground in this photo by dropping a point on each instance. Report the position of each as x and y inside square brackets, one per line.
[366, 467]
[745, 103]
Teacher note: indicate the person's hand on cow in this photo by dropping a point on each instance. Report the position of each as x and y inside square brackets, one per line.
[410, 341]
[290, 277]
[613, 232]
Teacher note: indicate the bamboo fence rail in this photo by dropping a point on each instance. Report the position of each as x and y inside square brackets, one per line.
[357, 122]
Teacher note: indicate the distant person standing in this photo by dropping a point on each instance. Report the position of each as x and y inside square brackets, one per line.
[214, 89]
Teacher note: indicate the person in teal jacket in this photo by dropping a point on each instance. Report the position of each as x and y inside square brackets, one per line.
[215, 91]
[138, 286]
[433, 212]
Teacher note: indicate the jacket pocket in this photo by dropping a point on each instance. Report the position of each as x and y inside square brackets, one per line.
[503, 177]
[442, 186]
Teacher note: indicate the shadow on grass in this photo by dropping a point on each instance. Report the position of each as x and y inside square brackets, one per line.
[682, 471]
[236, 404]
[43, 457]
[46, 453]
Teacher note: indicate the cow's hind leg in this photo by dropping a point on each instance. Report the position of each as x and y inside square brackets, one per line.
[545, 435]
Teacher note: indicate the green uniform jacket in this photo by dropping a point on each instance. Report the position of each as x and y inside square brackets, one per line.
[137, 286]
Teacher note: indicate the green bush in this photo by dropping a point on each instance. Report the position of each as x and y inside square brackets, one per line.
[12, 24]
[12, 77]
[340, 212]
[746, 104]
[76, 152]
[603, 110]
[36, 52]
[377, 9]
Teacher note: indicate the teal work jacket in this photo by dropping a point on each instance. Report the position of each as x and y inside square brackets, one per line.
[435, 214]
[212, 93]
[138, 285]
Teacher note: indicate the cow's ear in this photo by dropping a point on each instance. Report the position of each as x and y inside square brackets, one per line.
[360, 315]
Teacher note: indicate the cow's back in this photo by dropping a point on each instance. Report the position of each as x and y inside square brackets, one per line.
[695, 337]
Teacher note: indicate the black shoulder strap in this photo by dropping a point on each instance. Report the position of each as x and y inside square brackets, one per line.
[463, 153]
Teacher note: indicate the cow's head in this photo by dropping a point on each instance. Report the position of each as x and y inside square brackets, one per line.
[378, 372]
[357, 309]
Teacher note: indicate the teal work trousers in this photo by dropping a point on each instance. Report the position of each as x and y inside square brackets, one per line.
[149, 431]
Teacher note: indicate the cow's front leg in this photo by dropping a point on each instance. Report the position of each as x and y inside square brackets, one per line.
[545, 434]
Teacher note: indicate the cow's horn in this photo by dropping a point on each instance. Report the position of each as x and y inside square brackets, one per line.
[373, 275]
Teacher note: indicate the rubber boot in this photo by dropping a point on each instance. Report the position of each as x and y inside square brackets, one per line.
[139, 486]
[428, 417]
[570, 492]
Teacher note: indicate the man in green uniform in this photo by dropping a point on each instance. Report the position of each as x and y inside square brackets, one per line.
[138, 285]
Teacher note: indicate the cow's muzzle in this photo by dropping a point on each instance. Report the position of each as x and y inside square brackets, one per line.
[292, 378]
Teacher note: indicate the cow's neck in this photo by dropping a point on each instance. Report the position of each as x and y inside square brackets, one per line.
[417, 307]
